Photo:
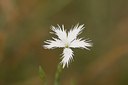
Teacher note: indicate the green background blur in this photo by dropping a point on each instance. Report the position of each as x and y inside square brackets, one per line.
[25, 24]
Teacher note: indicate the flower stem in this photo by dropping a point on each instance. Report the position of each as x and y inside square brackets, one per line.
[58, 74]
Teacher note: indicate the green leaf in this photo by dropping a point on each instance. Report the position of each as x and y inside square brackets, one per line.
[41, 73]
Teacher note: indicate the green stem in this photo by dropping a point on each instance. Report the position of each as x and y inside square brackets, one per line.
[58, 74]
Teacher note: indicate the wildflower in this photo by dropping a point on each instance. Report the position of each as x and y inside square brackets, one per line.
[67, 40]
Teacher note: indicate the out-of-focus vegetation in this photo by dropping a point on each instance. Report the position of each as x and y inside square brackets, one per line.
[25, 24]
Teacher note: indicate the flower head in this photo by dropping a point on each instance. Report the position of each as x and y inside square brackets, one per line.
[67, 40]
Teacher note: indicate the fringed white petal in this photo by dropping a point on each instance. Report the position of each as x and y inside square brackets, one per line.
[60, 32]
[73, 33]
[67, 57]
[53, 44]
[79, 43]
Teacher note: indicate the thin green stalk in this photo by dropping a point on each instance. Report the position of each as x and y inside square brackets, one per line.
[58, 75]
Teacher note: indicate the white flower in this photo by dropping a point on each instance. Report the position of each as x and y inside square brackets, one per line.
[67, 41]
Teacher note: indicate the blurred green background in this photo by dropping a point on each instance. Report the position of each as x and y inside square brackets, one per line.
[25, 24]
